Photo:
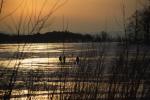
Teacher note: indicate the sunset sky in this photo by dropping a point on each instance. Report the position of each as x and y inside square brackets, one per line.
[84, 16]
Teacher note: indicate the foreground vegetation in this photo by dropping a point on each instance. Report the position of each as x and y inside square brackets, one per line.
[125, 78]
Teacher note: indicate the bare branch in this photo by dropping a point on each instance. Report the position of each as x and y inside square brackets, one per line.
[1, 5]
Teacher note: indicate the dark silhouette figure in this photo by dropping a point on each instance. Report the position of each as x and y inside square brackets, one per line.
[77, 60]
[60, 59]
[64, 59]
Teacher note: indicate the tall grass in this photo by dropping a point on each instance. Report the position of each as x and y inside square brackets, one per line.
[125, 77]
[37, 26]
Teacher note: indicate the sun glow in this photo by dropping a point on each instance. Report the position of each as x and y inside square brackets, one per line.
[25, 14]
[82, 16]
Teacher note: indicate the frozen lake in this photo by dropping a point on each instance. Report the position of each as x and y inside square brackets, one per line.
[34, 70]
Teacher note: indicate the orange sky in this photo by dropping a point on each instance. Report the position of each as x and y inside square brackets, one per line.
[81, 15]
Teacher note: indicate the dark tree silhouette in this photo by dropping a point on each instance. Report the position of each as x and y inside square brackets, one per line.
[139, 26]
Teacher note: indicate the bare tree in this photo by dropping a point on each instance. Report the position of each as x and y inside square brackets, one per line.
[139, 25]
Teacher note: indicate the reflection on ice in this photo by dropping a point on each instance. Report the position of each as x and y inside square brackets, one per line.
[40, 75]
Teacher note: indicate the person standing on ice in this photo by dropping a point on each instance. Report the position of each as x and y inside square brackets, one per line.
[77, 60]
[64, 59]
[60, 59]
